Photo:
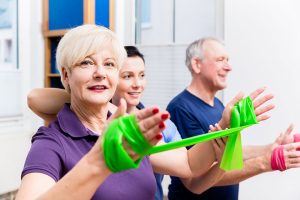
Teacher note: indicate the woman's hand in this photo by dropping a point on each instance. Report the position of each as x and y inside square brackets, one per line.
[151, 122]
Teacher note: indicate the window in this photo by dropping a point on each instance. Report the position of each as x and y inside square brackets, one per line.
[10, 76]
[172, 25]
[146, 14]
[8, 35]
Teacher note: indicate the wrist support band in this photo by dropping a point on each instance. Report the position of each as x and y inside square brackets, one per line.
[277, 159]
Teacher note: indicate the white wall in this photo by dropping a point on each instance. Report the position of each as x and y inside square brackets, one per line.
[15, 135]
[263, 38]
[160, 31]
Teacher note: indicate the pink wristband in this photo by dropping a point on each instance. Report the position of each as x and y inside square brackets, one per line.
[297, 139]
[277, 159]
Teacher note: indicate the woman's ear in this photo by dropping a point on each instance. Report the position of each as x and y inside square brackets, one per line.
[65, 78]
[196, 65]
[65, 75]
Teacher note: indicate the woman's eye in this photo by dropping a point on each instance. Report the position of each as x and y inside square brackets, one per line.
[86, 63]
[126, 76]
[110, 64]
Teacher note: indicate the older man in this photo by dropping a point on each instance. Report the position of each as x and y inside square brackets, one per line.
[196, 108]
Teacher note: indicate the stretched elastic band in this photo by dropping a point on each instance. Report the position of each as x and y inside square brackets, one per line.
[242, 114]
[117, 158]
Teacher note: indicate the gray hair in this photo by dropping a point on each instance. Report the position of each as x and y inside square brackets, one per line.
[195, 49]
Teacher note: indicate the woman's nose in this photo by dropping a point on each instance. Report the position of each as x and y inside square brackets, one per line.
[137, 82]
[100, 72]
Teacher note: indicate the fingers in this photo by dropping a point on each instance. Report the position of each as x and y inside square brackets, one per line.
[131, 153]
[257, 103]
[151, 123]
[292, 165]
[120, 111]
[146, 112]
[220, 142]
[219, 147]
[214, 128]
[292, 159]
[154, 134]
[259, 112]
[262, 100]
[291, 146]
[236, 99]
[257, 92]
[289, 130]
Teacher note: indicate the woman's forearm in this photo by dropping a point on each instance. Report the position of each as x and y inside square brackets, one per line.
[82, 181]
[200, 184]
[201, 157]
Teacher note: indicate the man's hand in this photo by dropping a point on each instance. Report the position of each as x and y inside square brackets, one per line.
[218, 144]
[259, 104]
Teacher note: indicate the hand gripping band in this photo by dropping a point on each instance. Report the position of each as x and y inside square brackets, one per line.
[117, 158]
[242, 114]
[135, 138]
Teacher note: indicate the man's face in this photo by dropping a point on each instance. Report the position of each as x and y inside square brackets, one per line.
[214, 65]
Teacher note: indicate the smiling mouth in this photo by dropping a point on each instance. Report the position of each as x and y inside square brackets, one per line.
[98, 87]
[134, 93]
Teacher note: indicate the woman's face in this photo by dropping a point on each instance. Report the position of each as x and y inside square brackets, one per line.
[93, 80]
[131, 80]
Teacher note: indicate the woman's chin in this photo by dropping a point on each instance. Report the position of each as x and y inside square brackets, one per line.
[133, 102]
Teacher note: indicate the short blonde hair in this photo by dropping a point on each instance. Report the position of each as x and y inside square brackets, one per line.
[83, 41]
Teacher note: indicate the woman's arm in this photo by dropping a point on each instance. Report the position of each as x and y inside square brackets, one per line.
[91, 171]
[46, 102]
[182, 163]
[79, 183]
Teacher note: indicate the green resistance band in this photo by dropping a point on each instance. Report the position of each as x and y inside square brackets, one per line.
[117, 158]
[242, 114]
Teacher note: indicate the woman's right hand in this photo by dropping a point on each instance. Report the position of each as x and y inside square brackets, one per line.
[151, 122]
